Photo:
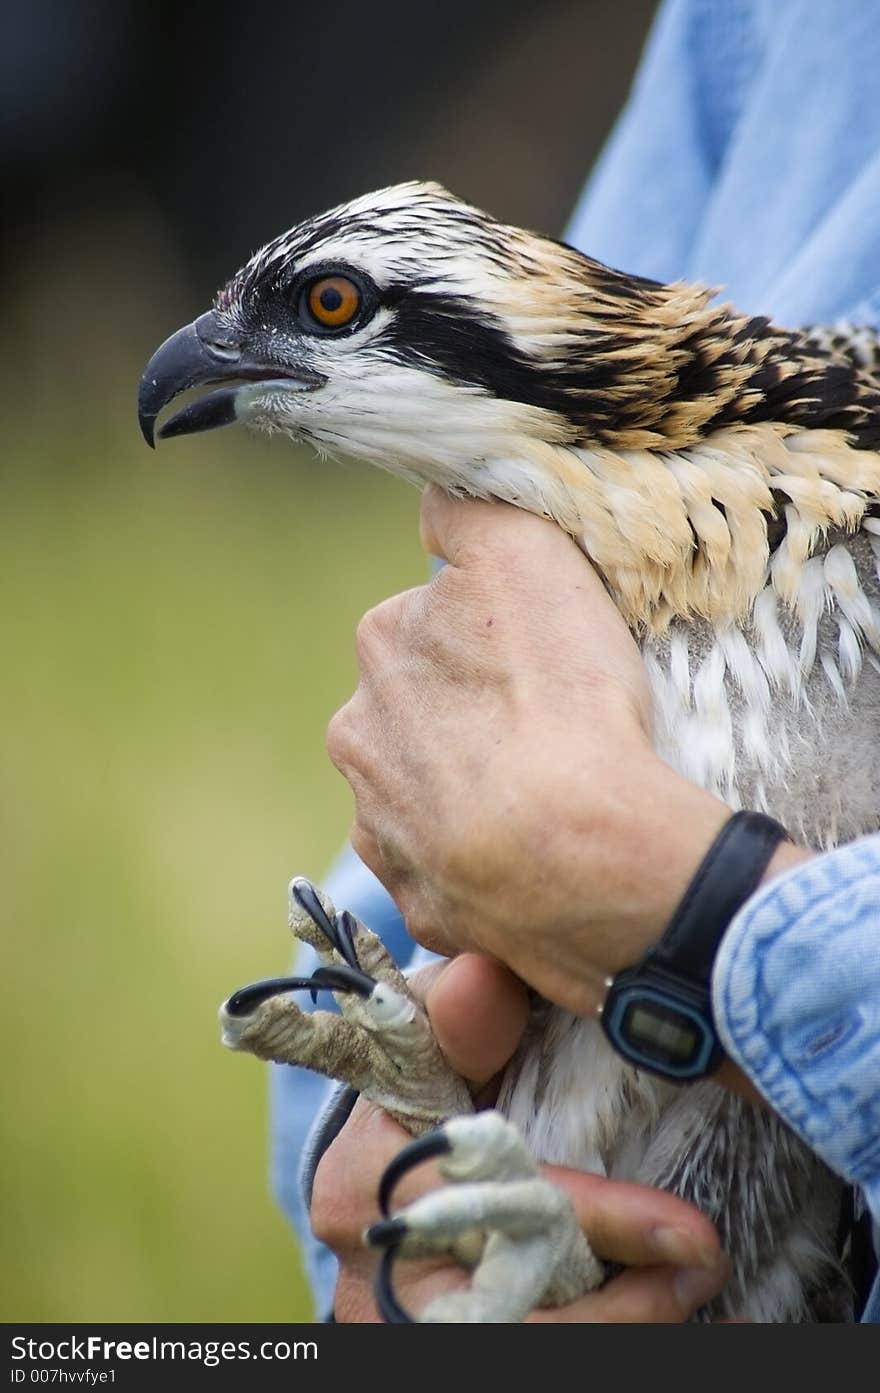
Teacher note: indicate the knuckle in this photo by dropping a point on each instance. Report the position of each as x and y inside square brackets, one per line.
[339, 738]
[329, 1215]
[420, 922]
[364, 845]
[329, 1221]
[376, 627]
[410, 905]
[338, 1213]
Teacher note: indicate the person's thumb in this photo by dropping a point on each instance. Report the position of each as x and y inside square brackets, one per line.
[478, 1011]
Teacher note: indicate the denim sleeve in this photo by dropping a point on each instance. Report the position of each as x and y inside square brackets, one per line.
[796, 995]
[796, 991]
[747, 157]
[647, 198]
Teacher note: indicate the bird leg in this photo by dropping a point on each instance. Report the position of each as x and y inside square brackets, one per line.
[381, 1044]
[533, 1250]
[499, 1216]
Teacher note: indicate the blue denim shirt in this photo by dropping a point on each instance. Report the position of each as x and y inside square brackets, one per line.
[796, 995]
[747, 157]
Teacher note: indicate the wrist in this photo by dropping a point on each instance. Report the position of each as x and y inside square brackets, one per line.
[684, 822]
[785, 858]
[676, 825]
[624, 858]
[658, 1013]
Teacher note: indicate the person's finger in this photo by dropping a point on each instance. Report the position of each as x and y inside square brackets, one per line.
[478, 1010]
[440, 519]
[379, 627]
[646, 1295]
[346, 1183]
[459, 529]
[415, 1285]
[626, 1223]
[658, 1295]
[637, 1225]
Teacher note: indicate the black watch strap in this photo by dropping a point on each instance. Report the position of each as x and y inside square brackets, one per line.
[729, 873]
[658, 1014]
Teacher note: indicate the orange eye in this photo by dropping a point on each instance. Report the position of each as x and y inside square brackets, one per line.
[334, 301]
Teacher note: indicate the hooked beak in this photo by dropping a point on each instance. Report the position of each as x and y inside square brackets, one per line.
[202, 353]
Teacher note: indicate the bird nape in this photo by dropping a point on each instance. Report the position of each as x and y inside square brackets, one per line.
[723, 473]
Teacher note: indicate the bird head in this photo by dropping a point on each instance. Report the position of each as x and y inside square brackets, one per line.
[413, 330]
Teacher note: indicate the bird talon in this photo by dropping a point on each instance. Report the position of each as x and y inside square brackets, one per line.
[424, 1148]
[338, 929]
[386, 1233]
[387, 1304]
[337, 978]
[246, 1000]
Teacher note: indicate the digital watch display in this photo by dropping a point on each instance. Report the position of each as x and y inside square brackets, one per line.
[658, 1014]
[660, 1024]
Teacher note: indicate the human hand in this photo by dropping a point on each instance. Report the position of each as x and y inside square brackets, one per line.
[478, 1011]
[498, 747]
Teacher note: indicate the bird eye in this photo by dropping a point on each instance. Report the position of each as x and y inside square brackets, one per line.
[333, 301]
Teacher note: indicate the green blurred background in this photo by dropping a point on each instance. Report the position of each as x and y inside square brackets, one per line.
[177, 628]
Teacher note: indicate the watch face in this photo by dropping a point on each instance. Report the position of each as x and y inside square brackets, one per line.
[662, 1027]
[666, 1034]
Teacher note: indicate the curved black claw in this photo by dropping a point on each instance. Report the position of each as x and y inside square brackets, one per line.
[247, 999]
[339, 931]
[346, 928]
[341, 978]
[424, 1148]
[386, 1234]
[335, 979]
[388, 1305]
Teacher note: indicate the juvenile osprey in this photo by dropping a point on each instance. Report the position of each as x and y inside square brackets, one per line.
[724, 475]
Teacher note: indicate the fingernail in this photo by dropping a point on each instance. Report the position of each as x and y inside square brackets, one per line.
[681, 1248]
[694, 1286]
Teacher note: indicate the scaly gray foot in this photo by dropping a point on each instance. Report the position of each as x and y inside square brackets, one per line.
[381, 1043]
[529, 1248]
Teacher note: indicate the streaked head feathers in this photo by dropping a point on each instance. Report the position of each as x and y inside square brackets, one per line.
[658, 427]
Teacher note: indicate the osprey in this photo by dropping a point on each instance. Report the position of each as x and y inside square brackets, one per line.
[723, 474]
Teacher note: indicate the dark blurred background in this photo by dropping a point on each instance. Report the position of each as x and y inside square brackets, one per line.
[177, 628]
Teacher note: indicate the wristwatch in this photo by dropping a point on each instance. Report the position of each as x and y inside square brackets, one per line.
[658, 1014]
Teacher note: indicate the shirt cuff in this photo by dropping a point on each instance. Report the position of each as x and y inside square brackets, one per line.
[796, 997]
